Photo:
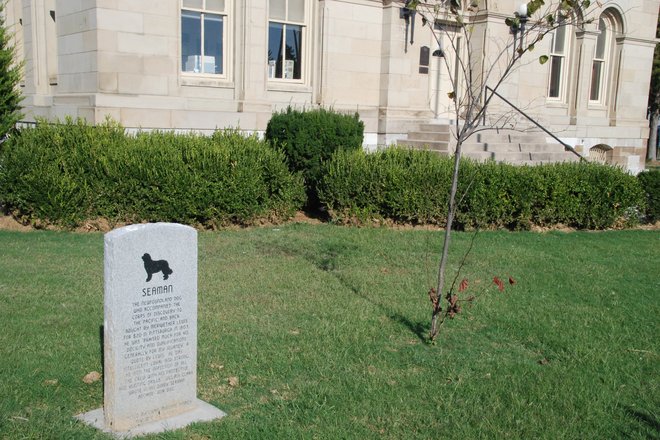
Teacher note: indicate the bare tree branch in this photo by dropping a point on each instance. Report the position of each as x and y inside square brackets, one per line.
[469, 99]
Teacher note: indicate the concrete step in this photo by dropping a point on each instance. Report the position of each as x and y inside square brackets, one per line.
[516, 137]
[539, 162]
[521, 158]
[432, 136]
[436, 128]
[509, 146]
[425, 145]
[512, 147]
[555, 157]
[497, 156]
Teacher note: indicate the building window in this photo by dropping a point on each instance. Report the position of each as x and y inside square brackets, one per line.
[599, 65]
[424, 59]
[203, 28]
[285, 39]
[558, 63]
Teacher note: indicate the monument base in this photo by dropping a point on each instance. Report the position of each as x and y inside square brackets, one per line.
[203, 412]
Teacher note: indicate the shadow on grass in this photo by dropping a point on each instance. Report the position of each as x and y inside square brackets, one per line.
[327, 260]
[420, 329]
[317, 213]
[644, 419]
[101, 339]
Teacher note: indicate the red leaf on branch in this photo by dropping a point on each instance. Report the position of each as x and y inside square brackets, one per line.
[434, 300]
[500, 284]
[512, 281]
[463, 286]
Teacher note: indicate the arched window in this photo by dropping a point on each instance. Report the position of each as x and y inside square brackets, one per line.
[558, 65]
[600, 153]
[602, 72]
[599, 64]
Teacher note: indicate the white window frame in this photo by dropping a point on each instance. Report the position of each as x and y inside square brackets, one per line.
[604, 62]
[304, 53]
[563, 69]
[226, 44]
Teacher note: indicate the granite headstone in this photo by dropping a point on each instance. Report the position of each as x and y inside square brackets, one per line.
[150, 332]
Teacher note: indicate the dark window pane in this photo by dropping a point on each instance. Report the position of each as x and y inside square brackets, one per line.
[424, 56]
[191, 41]
[596, 78]
[293, 58]
[275, 47]
[212, 43]
[555, 77]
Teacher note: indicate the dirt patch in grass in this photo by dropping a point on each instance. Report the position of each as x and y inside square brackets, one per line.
[98, 225]
[9, 223]
[558, 227]
[650, 227]
[303, 217]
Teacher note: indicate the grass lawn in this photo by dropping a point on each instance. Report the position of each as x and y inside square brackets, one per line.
[325, 329]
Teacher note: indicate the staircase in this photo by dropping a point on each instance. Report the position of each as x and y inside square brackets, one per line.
[510, 146]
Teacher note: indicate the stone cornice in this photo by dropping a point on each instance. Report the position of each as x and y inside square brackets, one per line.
[625, 39]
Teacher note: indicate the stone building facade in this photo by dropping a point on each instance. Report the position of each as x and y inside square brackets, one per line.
[206, 64]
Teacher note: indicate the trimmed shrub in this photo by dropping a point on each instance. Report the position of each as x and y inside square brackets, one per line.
[498, 195]
[581, 195]
[308, 139]
[50, 173]
[68, 173]
[650, 182]
[413, 187]
[397, 184]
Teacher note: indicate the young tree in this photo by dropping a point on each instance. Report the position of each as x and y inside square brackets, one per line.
[654, 101]
[529, 25]
[10, 75]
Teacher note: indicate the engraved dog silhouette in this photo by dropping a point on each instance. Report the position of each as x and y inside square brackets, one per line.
[156, 266]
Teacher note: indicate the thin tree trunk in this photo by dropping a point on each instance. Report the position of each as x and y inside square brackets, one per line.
[437, 309]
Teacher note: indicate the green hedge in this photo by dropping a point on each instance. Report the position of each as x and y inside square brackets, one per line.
[413, 187]
[69, 173]
[390, 184]
[650, 182]
[308, 139]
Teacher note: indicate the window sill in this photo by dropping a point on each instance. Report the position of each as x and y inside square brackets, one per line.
[555, 103]
[593, 105]
[205, 81]
[286, 86]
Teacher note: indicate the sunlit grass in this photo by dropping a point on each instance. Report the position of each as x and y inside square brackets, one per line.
[325, 329]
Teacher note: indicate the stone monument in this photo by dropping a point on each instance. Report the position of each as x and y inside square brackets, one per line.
[150, 332]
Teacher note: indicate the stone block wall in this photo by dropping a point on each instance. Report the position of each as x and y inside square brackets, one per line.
[122, 58]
